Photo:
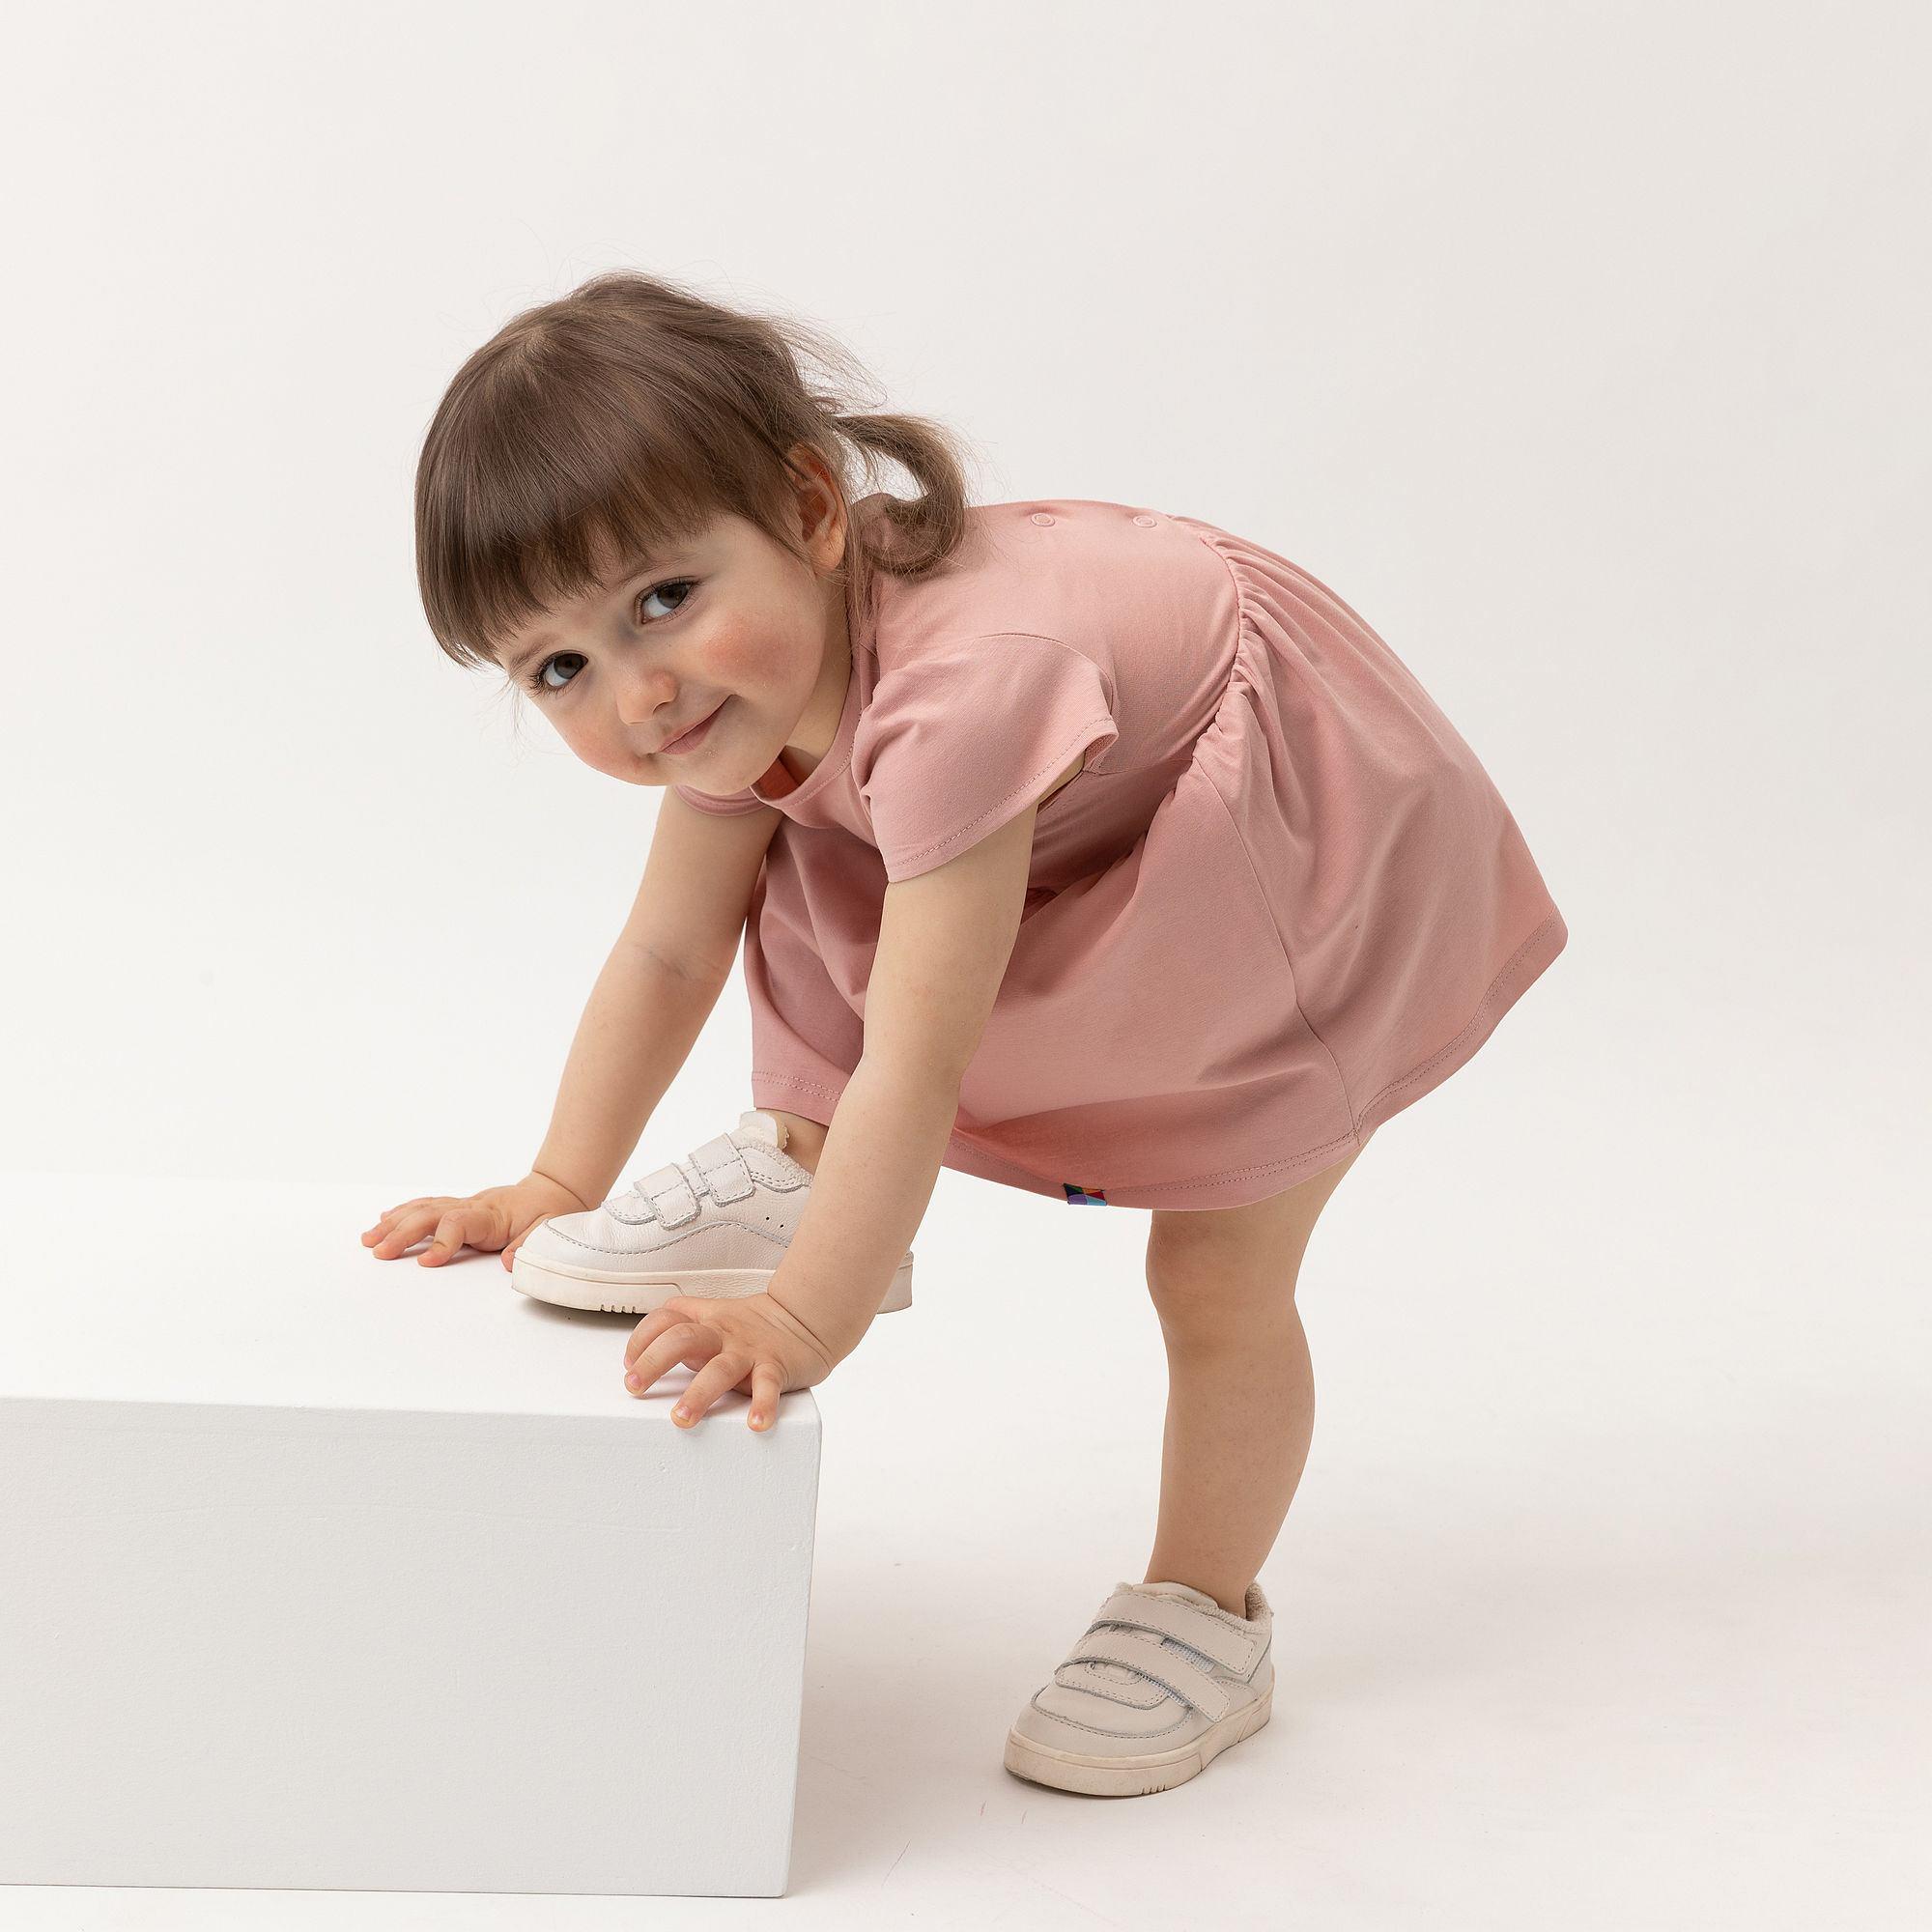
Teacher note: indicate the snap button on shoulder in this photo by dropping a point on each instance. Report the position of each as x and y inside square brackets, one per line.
[1041, 517]
[1145, 522]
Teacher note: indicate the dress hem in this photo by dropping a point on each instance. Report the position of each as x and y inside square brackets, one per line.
[1230, 1187]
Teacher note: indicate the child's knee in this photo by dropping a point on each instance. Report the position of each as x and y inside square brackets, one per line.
[1216, 1283]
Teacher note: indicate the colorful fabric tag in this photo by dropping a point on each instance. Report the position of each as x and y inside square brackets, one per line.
[1083, 1197]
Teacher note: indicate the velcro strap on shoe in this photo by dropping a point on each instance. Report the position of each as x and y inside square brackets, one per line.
[664, 1195]
[673, 1202]
[1152, 1659]
[778, 1172]
[723, 1165]
[1232, 1650]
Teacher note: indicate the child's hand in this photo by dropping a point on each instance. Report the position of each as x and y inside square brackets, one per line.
[498, 1217]
[744, 1342]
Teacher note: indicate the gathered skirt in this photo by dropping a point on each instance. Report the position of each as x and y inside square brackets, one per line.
[1327, 913]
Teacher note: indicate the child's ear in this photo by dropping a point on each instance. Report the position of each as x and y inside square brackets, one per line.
[821, 506]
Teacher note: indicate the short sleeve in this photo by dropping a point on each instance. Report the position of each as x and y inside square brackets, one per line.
[721, 804]
[954, 743]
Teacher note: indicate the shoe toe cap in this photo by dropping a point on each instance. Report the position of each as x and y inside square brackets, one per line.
[586, 1237]
[1067, 1720]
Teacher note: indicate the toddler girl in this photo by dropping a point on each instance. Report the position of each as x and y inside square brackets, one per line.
[1085, 848]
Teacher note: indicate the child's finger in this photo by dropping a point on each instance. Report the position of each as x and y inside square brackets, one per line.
[718, 1376]
[429, 1204]
[406, 1231]
[767, 1385]
[385, 1227]
[676, 1312]
[446, 1241]
[663, 1349]
[644, 1334]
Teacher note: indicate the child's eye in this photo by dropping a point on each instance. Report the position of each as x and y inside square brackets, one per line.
[534, 679]
[683, 583]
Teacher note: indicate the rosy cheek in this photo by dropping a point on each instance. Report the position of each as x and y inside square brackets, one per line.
[738, 660]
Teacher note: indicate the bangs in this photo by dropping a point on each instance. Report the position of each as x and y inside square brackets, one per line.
[623, 419]
[536, 491]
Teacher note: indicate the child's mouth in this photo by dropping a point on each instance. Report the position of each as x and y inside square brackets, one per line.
[690, 740]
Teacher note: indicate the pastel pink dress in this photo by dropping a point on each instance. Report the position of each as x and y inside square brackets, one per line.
[1281, 901]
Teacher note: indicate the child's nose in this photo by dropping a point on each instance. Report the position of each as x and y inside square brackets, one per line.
[645, 703]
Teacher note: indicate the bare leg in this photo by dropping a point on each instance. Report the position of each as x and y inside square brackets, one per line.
[1240, 1403]
[806, 1139]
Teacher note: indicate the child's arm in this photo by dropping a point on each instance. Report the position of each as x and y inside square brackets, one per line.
[664, 976]
[945, 938]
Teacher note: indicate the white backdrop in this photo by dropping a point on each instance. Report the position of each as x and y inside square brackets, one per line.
[1581, 350]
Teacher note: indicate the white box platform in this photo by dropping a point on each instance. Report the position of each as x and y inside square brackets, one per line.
[323, 1571]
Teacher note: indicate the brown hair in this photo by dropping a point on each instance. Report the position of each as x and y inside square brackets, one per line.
[635, 410]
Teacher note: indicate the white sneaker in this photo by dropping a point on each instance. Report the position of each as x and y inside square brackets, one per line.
[717, 1223]
[1162, 1682]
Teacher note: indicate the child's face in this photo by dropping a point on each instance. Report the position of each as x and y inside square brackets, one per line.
[729, 623]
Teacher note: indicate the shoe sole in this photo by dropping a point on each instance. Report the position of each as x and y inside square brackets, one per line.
[644, 1293]
[1134, 1777]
